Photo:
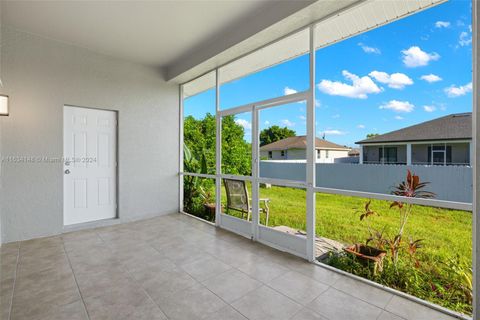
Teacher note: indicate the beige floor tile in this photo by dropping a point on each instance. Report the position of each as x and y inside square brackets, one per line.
[123, 304]
[319, 273]
[81, 240]
[298, 287]
[232, 285]
[164, 284]
[226, 313]
[263, 270]
[43, 297]
[182, 268]
[10, 247]
[370, 294]
[96, 257]
[196, 302]
[6, 286]
[102, 280]
[233, 256]
[128, 255]
[41, 261]
[153, 263]
[34, 282]
[205, 268]
[182, 254]
[336, 305]
[72, 311]
[164, 242]
[385, 315]
[33, 246]
[6, 295]
[266, 303]
[307, 314]
[413, 311]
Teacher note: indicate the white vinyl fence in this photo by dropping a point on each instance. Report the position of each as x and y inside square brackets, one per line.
[451, 183]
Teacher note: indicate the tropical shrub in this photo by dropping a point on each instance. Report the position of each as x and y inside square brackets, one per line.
[448, 283]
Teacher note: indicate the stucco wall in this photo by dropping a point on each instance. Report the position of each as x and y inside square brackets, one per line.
[276, 155]
[41, 76]
[296, 154]
[332, 155]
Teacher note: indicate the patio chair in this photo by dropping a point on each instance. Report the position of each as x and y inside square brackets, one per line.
[238, 200]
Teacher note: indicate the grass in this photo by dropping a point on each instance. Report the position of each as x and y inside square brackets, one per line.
[445, 232]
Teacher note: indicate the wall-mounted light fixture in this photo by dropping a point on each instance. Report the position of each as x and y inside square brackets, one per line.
[3, 105]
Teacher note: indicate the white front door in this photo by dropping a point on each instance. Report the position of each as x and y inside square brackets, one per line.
[89, 165]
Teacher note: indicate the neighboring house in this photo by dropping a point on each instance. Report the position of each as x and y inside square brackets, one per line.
[295, 148]
[442, 141]
[354, 152]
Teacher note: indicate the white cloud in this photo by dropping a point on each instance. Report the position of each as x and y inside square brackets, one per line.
[318, 104]
[287, 91]
[416, 57]
[244, 123]
[287, 123]
[399, 118]
[336, 116]
[368, 49]
[465, 39]
[302, 117]
[431, 78]
[394, 80]
[453, 91]
[267, 123]
[398, 106]
[429, 108]
[442, 24]
[361, 126]
[334, 132]
[360, 87]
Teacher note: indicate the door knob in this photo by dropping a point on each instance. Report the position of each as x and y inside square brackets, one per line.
[67, 171]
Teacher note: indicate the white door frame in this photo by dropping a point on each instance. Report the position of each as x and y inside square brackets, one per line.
[117, 179]
[280, 240]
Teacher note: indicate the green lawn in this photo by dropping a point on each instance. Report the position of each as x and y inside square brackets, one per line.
[445, 232]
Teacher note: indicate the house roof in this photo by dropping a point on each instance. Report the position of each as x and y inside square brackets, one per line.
[300, 142]
[456, 126]
[354, 152]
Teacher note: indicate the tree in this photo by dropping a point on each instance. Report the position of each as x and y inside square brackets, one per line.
[236, 152]
[275, 133]
[372, 135]
[199, 137]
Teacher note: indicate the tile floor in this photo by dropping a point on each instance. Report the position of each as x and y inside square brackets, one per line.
[176, 267]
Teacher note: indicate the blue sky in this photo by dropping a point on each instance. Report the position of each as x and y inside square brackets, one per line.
[415, 69]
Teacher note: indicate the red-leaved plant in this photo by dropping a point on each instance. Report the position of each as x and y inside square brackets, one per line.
[411, 188]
